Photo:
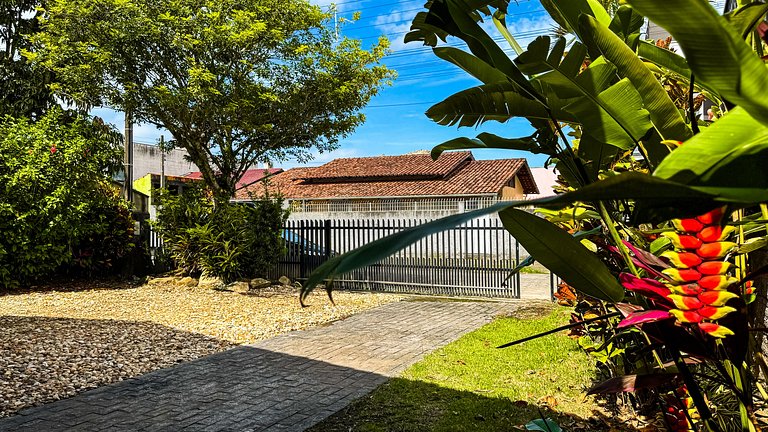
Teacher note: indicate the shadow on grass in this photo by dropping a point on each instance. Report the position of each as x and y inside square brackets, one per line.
[405, 405]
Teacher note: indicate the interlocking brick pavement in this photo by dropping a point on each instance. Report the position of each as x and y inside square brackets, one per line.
[287, 383]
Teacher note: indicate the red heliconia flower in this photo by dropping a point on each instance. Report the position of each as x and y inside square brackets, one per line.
[696, 291]
[748, 288]
[687, 225]
[714, 267]
[715, 233]
[715, 251]
[686, 289]
[682, 275]
[699, 282]
[682, 259]
[715, 330]
[714, 312]
[712, 217]
[717, 282]
[716, 298]
[686, 303]
[683, 241]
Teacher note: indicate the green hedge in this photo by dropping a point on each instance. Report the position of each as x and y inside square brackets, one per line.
[59, 211]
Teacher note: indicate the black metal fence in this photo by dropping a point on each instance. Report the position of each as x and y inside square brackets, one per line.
[474, 259]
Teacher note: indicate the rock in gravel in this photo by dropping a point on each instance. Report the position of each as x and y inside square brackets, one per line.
[259, 283]
[285, 280]
[162, 280]
[210, 282]
[188, 281]
[239, 287]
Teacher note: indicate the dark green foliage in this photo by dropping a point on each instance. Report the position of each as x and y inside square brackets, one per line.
[58, 209]
[24, 91]
[226, 240]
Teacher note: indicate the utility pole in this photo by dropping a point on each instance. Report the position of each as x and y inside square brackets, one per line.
[162, 161]
[128, 159]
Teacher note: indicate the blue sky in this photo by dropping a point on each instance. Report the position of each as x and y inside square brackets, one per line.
[395, 120]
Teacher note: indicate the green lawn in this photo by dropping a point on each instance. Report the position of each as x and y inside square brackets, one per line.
[472, 386]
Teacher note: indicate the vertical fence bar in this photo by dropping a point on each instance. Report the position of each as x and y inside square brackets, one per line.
[302, 240]
[327, 240]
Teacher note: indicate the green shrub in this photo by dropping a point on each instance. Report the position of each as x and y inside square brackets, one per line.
[226, 240]
[58, 208]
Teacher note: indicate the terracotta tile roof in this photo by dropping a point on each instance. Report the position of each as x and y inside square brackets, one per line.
[405, 167]
[472, 177]
[251, 176]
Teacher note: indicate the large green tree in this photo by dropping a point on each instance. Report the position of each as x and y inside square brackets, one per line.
[235, 81]
[23, 90]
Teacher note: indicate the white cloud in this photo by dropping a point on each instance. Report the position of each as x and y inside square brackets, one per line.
[396, 23]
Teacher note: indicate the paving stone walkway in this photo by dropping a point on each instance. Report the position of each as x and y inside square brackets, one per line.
[287, 383]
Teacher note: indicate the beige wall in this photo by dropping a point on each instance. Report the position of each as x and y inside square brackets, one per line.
[516, 192]
[147, 159]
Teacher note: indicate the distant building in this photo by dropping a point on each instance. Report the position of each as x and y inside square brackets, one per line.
[250, 178]
[408, 186]
[148, 159]
[147, 184]
[546, 180]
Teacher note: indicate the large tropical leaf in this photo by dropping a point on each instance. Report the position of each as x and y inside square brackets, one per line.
[500, 21]
[597, 155]
[538, 57]
[499, 102]
[566, 13]
[672, 62]
[490, 141]
[715, 51]
[562, 254]
[471, 64]
[664, 58]
[458, 18]
[732, 152]
[745, 19]
[664, 114]
[615, 116]
[611, 114]
[656, 199]
[626, 23]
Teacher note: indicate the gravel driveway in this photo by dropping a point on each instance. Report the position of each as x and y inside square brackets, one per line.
[57, 343]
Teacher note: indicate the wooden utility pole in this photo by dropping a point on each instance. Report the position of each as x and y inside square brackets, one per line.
[128, 159]
[162, 161]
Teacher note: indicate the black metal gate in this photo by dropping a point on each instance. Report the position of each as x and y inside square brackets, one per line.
[473, 259]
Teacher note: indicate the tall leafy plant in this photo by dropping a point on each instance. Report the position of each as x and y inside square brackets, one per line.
[58, 207]
[680, 298]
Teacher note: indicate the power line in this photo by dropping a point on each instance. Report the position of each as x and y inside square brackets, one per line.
[401, 104]
[393, 35]
[353, 27]
[371, 7]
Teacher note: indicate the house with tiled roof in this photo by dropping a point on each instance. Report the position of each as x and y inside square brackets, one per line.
[411, 185]
[250, 177]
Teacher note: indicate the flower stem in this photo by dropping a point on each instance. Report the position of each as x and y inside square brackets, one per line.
[611, 226]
